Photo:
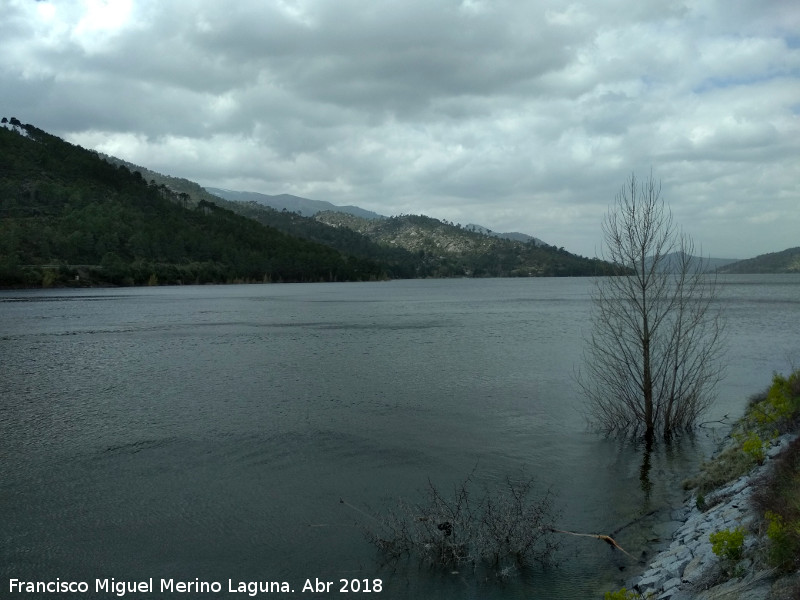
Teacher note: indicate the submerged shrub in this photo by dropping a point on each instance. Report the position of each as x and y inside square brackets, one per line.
[499, 529]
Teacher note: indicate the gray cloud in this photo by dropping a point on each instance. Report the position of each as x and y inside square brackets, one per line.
[518, 116]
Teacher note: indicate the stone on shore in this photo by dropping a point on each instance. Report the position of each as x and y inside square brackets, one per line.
[688, 568]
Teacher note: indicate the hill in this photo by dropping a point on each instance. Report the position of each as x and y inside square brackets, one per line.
[672, 262]
[396, 263]
[786, 261]
[448, 250]
[509, 235]
[310, 208]
[420, 247]
[302, 206]
[71, 218]
[715, 264]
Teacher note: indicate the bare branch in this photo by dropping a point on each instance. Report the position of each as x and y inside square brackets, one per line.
[654, 356]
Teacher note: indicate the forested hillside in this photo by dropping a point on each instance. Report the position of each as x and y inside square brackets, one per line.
[67, 217]
[786, 261]
[406, 245]
[397, 263]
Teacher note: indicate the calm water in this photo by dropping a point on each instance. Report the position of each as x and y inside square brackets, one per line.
[210, 432]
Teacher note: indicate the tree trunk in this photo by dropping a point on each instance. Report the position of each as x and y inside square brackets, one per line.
[647, 384]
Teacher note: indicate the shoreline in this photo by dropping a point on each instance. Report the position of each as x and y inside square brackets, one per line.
[688, 568]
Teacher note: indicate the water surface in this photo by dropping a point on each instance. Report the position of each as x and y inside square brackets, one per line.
[212, 432]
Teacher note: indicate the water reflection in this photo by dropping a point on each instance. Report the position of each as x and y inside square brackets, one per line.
[644, 471]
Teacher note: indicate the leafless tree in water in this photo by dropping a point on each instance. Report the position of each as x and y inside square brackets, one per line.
[654, 356]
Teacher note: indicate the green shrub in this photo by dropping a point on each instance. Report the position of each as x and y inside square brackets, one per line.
[755, 447]
[784, 540]
[728, 544]
[793, 388]
[781, 402]
[700, 502]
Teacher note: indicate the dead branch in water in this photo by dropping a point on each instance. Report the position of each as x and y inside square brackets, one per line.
[606, 538]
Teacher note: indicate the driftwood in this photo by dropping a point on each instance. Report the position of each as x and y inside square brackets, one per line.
[606, 538]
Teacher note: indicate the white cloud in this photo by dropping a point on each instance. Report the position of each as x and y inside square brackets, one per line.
[518, 116]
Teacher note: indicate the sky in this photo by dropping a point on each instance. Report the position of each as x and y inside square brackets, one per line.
[516, 115]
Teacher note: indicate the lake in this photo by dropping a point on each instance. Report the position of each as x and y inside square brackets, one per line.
[246, 433]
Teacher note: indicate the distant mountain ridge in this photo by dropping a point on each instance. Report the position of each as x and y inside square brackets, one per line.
[672, 262]
[302, 206]
[310, 208]
[511, 235]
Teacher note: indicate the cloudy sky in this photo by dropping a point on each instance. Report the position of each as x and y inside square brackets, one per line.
[517, 115]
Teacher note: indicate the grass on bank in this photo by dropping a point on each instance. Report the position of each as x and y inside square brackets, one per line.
[768, 415]
[777, 495]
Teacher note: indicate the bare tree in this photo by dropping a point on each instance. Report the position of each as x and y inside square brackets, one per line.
[653, 358]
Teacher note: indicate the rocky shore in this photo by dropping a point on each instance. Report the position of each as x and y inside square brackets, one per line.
[689, 569]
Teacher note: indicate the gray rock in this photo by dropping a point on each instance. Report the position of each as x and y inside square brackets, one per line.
[671, 585]
[760, 591]
[695, 569]
[652, 571]
[675, 569]
[775, 451]
[738, 485]
[682, 595]
[704, 550]
[655, 581]
[677, 553]
[736, 590]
